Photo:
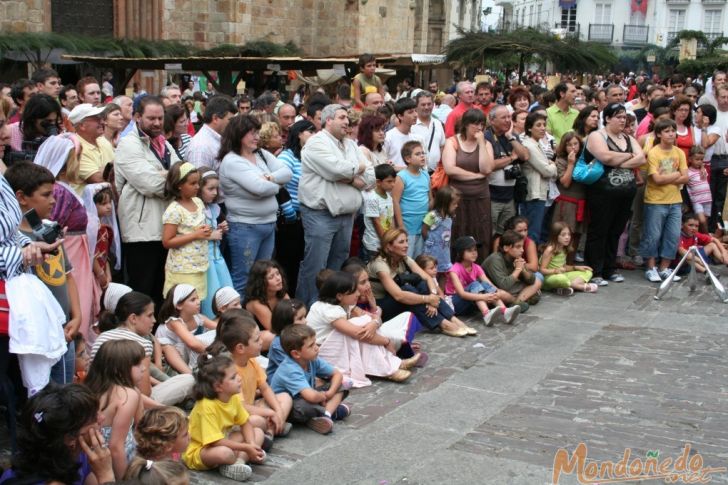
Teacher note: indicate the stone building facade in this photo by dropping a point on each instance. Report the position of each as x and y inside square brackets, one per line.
[318, 27]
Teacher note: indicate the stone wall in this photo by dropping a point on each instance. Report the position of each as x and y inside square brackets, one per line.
[318, 27]
[23, 15]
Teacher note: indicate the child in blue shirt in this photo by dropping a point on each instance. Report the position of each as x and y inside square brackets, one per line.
[296, 375]
[411, 196]
[285, 313]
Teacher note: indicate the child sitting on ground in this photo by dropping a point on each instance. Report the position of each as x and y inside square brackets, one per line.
[559, 276]
[315, 407]
[507, 270]
[162, 433]
[114, 377]
[82, 359]
[238, 334]
[470, 288]
[709, 247]
[354, 345]
[286, 312]
[183, 330]
[224, 299]
[221, 435]
[149, 472]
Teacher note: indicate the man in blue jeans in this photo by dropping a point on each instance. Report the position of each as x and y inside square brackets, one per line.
[333, 174]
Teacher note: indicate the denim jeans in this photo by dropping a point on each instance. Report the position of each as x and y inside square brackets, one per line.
[661, 231]
[391, 307]
[465, 307]
[248, 243]
[533, 210]
[416, 245]
[327, 240]
[63, 370]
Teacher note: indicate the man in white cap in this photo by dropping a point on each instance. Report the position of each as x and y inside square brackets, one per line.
[96, 150]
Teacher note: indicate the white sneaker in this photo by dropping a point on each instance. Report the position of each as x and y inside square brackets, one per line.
[665, 274]
[617, 278]
[652, 275]
[510, 314]
[489, 318]
[237, 471]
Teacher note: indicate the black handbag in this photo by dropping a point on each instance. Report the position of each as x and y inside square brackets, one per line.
[520, 189]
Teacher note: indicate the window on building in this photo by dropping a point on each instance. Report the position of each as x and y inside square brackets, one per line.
[568, 19]
[676, 20]
[603, 13]
[531, 20]
[711, 21]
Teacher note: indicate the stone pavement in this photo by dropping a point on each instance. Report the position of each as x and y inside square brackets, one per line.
[614, 370]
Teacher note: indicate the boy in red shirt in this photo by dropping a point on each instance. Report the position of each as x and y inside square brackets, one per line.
[709, 247]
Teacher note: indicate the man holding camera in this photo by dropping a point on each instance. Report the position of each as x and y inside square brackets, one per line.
[508, 153]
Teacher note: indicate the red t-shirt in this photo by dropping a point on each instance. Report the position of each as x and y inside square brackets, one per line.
[697, 239]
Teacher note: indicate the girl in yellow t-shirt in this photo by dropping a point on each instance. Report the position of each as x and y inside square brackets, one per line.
[238, 334]
[214, 442]
[667, 170]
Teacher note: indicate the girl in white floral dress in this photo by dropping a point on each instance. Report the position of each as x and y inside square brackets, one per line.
[186, 231]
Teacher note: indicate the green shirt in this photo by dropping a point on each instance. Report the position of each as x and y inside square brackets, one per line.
[559, 123]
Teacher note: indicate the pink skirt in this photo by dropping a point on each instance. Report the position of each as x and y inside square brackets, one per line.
[357, 359]
[77, 252]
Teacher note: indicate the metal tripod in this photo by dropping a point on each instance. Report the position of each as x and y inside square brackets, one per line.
[693, 276]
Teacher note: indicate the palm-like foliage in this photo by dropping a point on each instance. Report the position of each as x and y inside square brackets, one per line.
[472, 48]
[36, 47]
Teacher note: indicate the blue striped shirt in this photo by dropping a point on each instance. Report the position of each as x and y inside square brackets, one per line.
[291, 209]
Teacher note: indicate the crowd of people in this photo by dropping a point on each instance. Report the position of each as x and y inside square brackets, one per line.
[185, 276]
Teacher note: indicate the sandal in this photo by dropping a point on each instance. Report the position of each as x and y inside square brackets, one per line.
[590, 288]
[400, 375]
[564, 291]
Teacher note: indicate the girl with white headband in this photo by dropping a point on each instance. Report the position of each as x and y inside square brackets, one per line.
[185, 232]
[184, 332]
[218, 275]
[224, 299]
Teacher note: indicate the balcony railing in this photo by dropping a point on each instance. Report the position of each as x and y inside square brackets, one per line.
[635, 34]
[671, 36]
[601, 32]
[713, 35]
[568, 29]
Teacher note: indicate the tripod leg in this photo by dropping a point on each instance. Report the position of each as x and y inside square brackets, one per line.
[665, 285]
[717, 285]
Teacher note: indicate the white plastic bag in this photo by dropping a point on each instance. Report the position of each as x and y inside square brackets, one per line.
[35, 328]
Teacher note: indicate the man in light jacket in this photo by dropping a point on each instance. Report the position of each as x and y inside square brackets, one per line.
[142, 160]
[333, 174]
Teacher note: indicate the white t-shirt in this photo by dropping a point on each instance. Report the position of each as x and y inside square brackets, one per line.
[394, 140]
[320, 317]
[376, 206]
[437, 132]
[698, 134]
[720, 147]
